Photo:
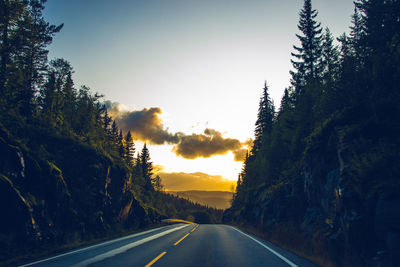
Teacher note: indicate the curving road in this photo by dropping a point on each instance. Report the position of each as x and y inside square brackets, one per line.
[180, 245]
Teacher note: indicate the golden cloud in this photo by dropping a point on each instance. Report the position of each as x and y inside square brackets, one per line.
[158, 168]
[208, 144]
[240, 154]
[146, 125]
[205, 145]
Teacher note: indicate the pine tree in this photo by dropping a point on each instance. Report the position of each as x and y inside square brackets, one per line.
[356, 39]
[157, 184]
[106, 121]
[24, 36]
[308, 54]
[245, 170]
[380, 45]
[10, 13]
[47, 99]
[62, 68]
[138, 167]
[120, 143]
[345, 47]
[69, 93]
[380, 22]
[265, 118]
[285, 101]
[147, 168]
[62, 92]
[330, 58]
[357, 29]
[31, 56]
[114, 132]
[130, 148]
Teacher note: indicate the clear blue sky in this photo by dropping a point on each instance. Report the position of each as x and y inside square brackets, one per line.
[202, 62]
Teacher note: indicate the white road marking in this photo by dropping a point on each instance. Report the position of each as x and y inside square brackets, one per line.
[268, 248]
[123, 249]
[97, 245]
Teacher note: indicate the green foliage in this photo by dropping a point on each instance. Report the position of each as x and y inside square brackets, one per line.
[265, 120]
[309, 53]
[333, 148]
[67, 172]
[24, 36]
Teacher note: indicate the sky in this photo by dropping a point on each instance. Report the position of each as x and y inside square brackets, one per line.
[195, 69]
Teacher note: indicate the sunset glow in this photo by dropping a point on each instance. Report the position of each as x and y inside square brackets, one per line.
[188, 66]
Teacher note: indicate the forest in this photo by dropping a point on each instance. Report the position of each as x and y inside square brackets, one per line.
[68, 175]
[322, 178]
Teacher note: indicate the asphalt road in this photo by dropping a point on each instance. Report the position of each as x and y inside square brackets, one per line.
[180, 245]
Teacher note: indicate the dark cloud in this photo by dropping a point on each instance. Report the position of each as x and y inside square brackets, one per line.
[208, 144]
[205, 145]
[113, 108]
[240, 154]
[147, 125]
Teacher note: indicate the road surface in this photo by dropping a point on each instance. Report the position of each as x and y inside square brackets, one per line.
[180, 245]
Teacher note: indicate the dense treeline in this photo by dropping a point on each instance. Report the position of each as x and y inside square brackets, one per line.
[323, 175]
[67, 173]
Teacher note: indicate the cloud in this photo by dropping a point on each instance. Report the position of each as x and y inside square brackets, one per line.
[208, 144]
[240, 154]
[114, 108]
[147, 125]
[178, 181]
[158, 168]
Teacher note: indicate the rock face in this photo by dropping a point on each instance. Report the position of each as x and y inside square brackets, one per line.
[356, 210]
[343, 205]
[61, 191]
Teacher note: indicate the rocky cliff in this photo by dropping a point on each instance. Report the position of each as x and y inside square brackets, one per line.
[342, 207]
[56, 190]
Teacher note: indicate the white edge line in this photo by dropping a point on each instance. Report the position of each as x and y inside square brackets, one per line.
[114, 252]
[93, 246]
[270, 249]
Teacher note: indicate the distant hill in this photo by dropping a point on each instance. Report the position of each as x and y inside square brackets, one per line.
[217, 199]
[180, 181]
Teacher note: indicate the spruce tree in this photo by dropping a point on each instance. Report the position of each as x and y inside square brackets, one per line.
[345, 47]
[265, 118]
[285, 101]
[24, 36]
[69, 94]
[308, 54]
[380, 22]
[157, 184]
[120, 143]
[106, 122]
[130, 148]
[114, 132]
[10, 13]
[31, 53]
[330, 58]
[147, 168]
[357, 29]
[47, 99]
